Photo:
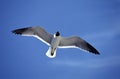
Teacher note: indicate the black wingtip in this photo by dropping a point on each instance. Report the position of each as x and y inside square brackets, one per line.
[19, 31]
[96, 52]
[16, 32]
[92, 49]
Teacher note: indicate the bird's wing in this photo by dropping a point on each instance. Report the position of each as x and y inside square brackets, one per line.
[37, 32]
[76, 42]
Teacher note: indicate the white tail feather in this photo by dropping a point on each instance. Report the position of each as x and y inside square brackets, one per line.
[48, 53]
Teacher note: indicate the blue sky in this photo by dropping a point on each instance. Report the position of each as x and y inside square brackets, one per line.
[96, 21]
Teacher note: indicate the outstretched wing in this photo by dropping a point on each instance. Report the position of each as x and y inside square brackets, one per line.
[37, 32]
[76, 42]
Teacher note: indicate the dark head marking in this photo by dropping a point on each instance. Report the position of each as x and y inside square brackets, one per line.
[57, 33]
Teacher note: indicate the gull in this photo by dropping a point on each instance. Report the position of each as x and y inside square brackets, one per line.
[55, 41]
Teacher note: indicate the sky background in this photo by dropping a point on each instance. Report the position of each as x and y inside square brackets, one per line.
[96, 21]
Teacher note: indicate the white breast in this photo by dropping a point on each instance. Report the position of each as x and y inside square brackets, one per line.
[55, 42]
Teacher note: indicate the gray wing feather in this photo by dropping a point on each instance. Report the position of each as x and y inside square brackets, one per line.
[38, 32]
[78, 43]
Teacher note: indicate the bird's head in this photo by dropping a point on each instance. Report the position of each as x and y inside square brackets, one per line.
[57, 34]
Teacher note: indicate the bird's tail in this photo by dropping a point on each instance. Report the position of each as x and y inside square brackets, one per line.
[51, 53]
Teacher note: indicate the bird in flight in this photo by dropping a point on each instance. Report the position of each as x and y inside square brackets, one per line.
[55, 41]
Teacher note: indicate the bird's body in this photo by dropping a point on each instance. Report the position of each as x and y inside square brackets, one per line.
[55, 41]
[53, 48]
